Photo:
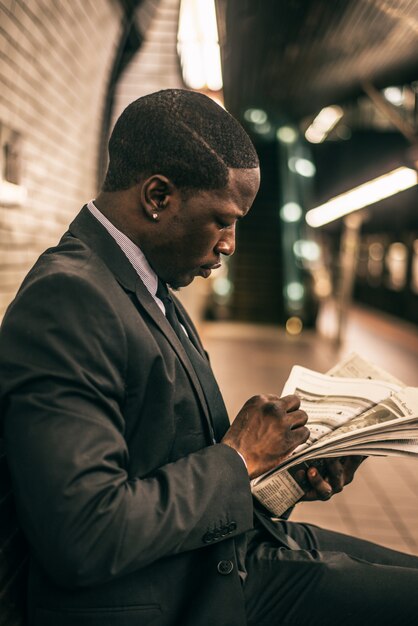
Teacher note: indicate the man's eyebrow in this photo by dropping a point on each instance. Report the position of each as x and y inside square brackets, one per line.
[232, 216]
[237, 216]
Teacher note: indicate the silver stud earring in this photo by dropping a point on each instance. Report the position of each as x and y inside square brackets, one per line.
[155, 216]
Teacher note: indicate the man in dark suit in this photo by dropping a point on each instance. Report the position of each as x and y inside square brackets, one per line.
[132, 489]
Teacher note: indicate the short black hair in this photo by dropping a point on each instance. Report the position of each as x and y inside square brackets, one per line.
[181, 134]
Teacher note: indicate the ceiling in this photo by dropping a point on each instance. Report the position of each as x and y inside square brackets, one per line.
[292, 57]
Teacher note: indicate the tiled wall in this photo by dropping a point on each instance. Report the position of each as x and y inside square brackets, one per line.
[55, 60]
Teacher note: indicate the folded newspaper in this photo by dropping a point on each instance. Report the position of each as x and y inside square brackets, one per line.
[357, 408]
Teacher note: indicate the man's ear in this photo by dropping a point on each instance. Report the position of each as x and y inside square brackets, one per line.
[156, 192]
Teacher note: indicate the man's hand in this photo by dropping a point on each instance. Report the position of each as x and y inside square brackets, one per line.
[338, 473]
[266, 431]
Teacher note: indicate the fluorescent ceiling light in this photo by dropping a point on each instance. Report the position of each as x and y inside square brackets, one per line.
[382, 187]
[323, 123]
[198, 45]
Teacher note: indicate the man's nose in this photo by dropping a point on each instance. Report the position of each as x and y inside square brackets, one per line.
[226, 244]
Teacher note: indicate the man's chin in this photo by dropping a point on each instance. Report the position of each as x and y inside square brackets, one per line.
[177, 283]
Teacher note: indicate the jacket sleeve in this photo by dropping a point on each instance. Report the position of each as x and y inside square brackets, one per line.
[62, 389]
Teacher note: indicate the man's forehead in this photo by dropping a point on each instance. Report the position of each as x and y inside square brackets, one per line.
[236, 198]
[243, 184]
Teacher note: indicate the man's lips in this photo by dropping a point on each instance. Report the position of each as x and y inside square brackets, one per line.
[206, 270]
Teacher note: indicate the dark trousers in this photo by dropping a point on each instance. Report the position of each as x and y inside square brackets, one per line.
[328, 578]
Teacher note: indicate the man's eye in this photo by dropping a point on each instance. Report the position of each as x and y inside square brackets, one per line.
[223, 225]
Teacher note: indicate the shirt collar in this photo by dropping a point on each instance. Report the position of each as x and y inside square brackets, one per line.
[134, 254]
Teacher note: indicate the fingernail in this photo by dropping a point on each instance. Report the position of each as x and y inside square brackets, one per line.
[313, 472]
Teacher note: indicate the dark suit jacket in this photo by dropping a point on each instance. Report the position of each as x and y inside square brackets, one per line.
[132, 514]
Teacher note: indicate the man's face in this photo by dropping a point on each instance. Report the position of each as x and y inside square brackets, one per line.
[194, 232]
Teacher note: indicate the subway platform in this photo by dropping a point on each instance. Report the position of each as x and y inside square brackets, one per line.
[381, 504]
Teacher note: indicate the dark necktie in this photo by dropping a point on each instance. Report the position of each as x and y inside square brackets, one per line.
[170, 312]
[215, 403]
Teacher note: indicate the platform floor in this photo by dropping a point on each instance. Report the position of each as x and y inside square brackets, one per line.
[382, 503]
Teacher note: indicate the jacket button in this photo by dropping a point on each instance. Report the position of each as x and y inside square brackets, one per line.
[225, 567]
[208, 537]
[232, 526]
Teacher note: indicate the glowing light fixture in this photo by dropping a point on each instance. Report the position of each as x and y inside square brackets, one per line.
[377, 189]
[263, 129]
[294, 325]
[323, 123]
[394, 95]
[198, 45]
[294, 291]
[308, 250]
[222, 286]
[291, 212]
[303, 167]
[256, 116]
[286, 134]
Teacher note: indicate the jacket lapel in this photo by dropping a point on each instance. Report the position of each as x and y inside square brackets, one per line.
[86, 228]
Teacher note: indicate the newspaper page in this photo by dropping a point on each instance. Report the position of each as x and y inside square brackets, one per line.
[354, 366]
[331, 401]
[339, 411]
[393, 419]
[389, 411]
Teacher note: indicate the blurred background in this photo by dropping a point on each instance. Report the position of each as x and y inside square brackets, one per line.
[327, 260]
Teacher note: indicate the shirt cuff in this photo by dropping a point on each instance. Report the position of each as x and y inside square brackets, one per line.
[243, 459]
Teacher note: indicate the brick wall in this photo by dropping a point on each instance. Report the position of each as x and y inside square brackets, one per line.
[55, 60]
[156, 64]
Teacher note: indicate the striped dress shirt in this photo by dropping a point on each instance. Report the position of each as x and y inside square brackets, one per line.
[134, 254]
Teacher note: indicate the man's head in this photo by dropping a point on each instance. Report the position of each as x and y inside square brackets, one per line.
[181, 134]
[182, 171]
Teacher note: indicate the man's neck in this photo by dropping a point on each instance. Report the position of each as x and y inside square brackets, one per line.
[117, 207]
